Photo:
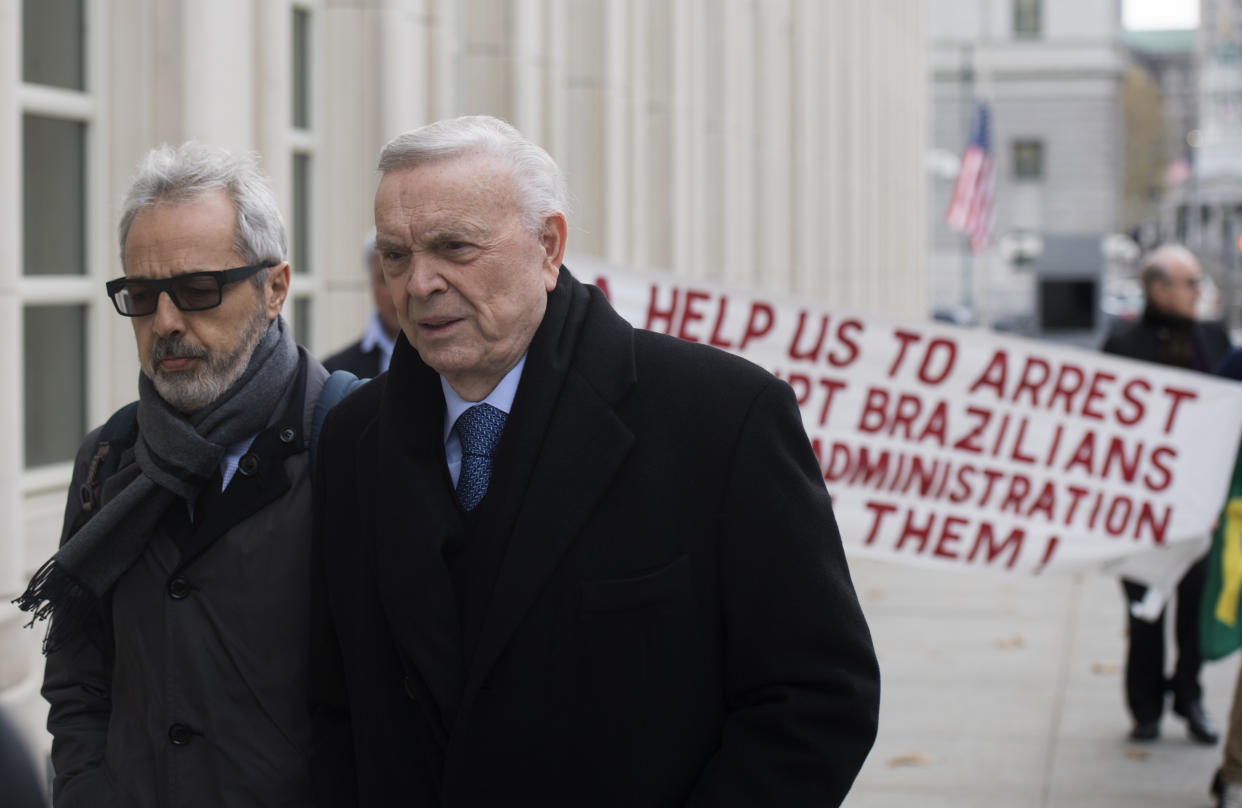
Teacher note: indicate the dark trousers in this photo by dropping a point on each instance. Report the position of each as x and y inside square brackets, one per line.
[1145, 679]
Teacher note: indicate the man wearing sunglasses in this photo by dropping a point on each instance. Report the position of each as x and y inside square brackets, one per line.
[177, 662]
[1168, 333]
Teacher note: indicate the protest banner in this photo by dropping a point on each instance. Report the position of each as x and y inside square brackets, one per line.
[968, 449]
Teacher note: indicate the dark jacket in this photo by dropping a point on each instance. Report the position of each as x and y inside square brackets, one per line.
[18, 782]
[363, 364]
[194, 691]
[660, 615]
[1168, 340]
[1231, 366]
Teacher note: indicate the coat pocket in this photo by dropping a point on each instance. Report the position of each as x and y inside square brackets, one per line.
[656, 586]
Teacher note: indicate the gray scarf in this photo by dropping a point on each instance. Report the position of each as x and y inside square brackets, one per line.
[175, 454]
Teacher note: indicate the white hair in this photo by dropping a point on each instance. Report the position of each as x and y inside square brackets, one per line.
[186, 172]
[540, 184]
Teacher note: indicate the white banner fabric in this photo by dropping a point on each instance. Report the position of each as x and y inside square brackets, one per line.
[968, 449]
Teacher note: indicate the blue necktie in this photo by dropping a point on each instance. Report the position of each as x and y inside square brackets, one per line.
[478, 429]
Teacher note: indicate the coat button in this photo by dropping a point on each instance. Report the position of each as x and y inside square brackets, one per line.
[180, 734]
[178, 588]
[288, 434]
[248, 464]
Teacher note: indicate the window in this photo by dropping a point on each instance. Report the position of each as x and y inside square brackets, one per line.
[1028, 159]
[302, 139]
[53, 196]
[1027, 18]
[301, 214]
[1067, 304]
[54, 338]
[53, 46]
[301, 320]
[301, 68]
[63, 264]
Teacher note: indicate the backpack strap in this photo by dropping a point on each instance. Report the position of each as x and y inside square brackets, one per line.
[118, 433]
[340, 383]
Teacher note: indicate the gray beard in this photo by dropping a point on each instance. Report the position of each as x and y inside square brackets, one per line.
[190, 391]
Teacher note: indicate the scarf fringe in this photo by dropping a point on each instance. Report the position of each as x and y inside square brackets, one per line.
[54, 593]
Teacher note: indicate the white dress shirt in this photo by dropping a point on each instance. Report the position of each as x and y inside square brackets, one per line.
[375, 337]
[228, 466]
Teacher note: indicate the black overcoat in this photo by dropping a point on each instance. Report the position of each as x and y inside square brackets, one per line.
[1149, 337]
[193, 692]
[671, 622]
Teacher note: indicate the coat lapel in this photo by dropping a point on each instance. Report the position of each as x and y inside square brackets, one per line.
[414, 515]
[259, 480]
[245, 496]
[568, 445]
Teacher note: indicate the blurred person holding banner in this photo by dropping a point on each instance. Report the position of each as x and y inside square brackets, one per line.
[1168, 333]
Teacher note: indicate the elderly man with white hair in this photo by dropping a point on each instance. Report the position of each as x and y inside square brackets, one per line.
[568, 562]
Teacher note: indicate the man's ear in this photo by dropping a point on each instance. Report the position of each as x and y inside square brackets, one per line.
[552, 239]
[276, 289]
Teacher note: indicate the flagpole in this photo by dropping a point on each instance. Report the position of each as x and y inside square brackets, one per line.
[968, 114]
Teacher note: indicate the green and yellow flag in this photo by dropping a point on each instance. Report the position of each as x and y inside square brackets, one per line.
[1219, 628]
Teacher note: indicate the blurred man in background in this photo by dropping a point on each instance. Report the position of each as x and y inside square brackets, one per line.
[1168, 333]
[369, 356]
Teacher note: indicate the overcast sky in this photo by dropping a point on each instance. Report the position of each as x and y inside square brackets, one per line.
[1160, 13]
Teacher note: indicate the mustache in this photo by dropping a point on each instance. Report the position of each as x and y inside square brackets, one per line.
[166, 347]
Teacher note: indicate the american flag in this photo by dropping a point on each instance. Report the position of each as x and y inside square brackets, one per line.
[970, 208]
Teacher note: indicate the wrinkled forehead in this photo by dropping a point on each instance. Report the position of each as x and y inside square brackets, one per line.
[453, 186]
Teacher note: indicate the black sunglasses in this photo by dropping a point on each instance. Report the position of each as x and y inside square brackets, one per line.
[193, 291]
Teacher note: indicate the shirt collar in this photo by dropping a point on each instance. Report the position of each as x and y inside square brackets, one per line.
[501, 397]
[375, 337]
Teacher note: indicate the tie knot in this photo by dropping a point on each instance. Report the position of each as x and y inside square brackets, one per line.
[479, 429]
